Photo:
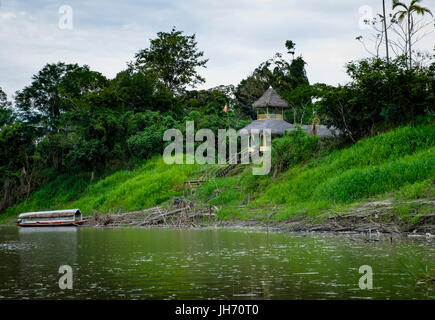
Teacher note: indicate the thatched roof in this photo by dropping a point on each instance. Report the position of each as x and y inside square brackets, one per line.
[278, 127]
[49, 214]
[270, 99]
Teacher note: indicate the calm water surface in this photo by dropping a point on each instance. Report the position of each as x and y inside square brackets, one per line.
[208, 264]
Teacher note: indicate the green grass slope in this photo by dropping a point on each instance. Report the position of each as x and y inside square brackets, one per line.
[147, 186]
[370, 169]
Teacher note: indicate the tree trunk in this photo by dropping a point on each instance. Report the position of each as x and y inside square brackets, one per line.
[385, 28]
[7, 194]
[409, 40]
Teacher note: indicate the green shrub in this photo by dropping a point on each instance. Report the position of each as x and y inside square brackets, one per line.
[293, 149]
[145, 143]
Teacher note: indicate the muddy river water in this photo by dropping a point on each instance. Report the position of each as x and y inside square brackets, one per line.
[210, 264]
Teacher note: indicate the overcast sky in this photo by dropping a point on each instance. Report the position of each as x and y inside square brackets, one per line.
[235, 35]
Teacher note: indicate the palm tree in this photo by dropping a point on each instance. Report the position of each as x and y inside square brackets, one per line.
[406, 11]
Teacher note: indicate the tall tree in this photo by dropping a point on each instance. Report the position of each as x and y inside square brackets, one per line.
[53, 91]
[5, 111]
[135, 89]
[278, 72]
[406, 11]
[400, 32]
[290, 45]
[363, 105]
[173, 58]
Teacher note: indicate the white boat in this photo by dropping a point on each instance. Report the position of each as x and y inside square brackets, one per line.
[70, 217]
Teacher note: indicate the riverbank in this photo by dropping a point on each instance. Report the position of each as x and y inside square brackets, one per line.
[384, 183]
[412, 217]
[377, 217]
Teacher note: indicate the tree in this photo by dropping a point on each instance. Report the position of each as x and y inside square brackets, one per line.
[380, 27]
[53, 92]
[97, 131]
[17, 165]
[4, 103]
[406, 11]
[398, 35]
[173, 59]
[136, 90]
[45, 106]
[211, 101]
[301, 100]
[290, 45]
[298, 75]
[281, 74]
[147, 130]
[5, 109]
[363, 106]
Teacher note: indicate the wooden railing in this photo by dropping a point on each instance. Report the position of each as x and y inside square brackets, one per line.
[189, 187]
[272, 116]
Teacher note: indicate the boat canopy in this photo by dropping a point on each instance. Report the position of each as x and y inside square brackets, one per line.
[50, 214]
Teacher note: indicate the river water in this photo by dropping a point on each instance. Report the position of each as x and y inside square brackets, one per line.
[209, 264]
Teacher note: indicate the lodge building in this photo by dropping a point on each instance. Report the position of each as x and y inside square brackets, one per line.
[270, 115]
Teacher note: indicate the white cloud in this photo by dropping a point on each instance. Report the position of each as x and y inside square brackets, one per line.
[236, 36]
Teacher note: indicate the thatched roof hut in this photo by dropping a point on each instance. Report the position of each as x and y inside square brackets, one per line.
[275, 122]
[271, 99]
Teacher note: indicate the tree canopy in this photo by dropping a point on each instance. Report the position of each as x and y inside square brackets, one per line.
[282, 74]
[5, 109]
[173, 58]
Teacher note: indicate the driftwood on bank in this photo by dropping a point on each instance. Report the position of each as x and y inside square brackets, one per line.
[369, 218]
[160, 217]
[182, 214]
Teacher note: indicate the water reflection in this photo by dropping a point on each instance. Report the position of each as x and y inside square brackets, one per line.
[206, 264]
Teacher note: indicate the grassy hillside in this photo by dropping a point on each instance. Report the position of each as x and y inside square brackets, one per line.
[146, 186]
[403, 159]
[399, 164]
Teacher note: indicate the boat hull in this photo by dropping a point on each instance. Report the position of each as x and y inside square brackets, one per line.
[51, 224]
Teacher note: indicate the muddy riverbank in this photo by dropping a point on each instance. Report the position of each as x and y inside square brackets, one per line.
[369, 218]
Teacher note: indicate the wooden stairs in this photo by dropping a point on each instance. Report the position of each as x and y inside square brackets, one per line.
[189, 187]
[223, 172]
[238, 156]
